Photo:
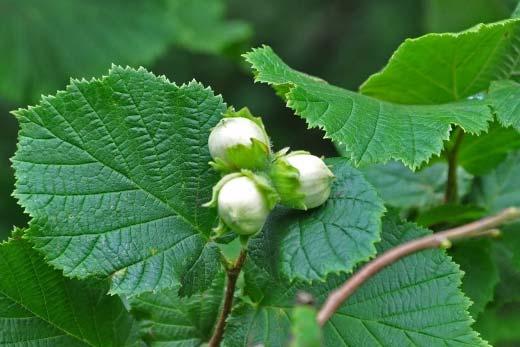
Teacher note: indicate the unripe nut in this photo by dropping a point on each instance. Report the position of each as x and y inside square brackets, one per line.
[242, 206]
[232, 142]
[314, 176]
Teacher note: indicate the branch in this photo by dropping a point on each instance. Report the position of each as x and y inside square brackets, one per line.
[232, 276]
[441, 239]
[451, 193]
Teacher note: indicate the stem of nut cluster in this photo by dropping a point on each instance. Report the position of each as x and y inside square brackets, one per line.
[232, 274]
[451, 194]
[482, 227]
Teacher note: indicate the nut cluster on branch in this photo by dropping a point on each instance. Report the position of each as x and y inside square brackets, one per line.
[255, 179]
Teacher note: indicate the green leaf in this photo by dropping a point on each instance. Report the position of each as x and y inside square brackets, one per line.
[480, 272]
[332, 238]
[500, 189]
[416, 301]
[39, 307]
[505, 100]
[480, 154]
[167, 320]
[372, 130]
[81, 38]
[305, 329]
[500, 325]
[200, 25]
[440, 68]
[403, 188]
[450, 214]
[119, 187]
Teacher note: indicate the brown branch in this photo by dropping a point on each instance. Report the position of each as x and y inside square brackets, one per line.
[451, 194]
[232, 276]
[441, 239]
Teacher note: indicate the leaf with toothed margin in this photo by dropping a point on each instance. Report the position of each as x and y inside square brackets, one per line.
[39, 307]
[443, 67]
[332, 238]
[113, 172]
[372, 130]
[413, 302]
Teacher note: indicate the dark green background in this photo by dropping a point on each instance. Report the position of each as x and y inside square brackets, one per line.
[340, 41]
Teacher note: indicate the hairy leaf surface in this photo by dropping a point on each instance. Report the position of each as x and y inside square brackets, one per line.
[416, 301]
[39, 307]
[372, 130]
[332, 238]
[114, 172]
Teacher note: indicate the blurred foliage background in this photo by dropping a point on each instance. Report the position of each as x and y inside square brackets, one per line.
[43, 43]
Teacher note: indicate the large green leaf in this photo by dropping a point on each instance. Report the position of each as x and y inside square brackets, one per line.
[333, 238]
[81, 38]
[39, 307]
[372, 130]
[414, 302]
[403, 188]
[167, 320]
[114, 172]
[439, 68]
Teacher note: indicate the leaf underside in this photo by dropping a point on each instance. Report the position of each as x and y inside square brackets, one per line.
[377, 130]
[114, 172]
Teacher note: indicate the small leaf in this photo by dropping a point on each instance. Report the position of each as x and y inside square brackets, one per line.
[372, 130]
[39, 307]
[332, 238]
[440, 68]
[481, 154]
[166, 319]
[500, 189]
[414, 302]
[119, 189]
[450, 214]
[403, 188]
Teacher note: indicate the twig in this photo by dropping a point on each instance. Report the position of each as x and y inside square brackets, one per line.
[441, 239]
[451, 193]
[232, 276]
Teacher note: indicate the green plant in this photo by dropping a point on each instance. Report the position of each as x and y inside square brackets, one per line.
[114, 173]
